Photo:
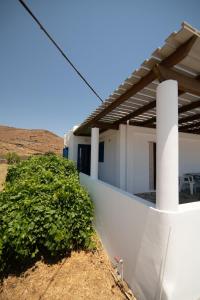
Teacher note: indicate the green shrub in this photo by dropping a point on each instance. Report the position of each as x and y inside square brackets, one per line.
[43, 210]
[12, 158]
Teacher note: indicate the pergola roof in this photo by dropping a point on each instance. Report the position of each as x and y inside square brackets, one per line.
[135, 99]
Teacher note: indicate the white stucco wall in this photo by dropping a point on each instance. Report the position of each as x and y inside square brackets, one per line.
[136, 156]
[189, 153]
[160, 250]
[138, 140]
[184, 252]
[109, 169]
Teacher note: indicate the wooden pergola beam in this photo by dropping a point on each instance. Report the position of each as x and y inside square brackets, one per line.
[137, 123]
[179, 54]
[133, 90]
[190, 126]
[185, 83]
[136, 112]
[184, 129]
[181, 109]
[195, 131]
[189, 118]
[103, 125]
[189, 106]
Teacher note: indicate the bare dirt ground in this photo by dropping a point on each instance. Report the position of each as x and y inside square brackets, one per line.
[27, 142]
[79, 277]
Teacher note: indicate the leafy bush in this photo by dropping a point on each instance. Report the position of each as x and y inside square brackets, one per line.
[12, 158]
[43, 210]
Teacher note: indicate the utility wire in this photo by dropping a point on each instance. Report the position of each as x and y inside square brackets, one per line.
[59, 49]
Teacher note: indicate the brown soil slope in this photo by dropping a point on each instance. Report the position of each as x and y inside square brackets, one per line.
[26, 142]
[83, 276]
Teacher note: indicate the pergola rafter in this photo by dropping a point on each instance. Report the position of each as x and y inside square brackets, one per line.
[189, 118]
[185, 83]
[181, 109]
[190, 126]
[125, 104]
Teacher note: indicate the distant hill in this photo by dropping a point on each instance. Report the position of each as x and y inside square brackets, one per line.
[26, 142]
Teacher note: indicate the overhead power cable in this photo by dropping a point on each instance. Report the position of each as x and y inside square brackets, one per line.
[59, 49]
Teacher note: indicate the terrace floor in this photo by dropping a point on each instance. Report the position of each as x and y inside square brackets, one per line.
[183, 197]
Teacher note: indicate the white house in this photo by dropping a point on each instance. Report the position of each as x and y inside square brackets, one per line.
[145, 136]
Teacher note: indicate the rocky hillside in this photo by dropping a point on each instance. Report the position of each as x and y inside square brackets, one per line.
[26, 142]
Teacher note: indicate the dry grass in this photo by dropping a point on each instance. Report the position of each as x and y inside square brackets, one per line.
[79, 277]
[3, 172]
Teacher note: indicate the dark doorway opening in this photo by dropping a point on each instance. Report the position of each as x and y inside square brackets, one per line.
[83, 161]
[154, 165]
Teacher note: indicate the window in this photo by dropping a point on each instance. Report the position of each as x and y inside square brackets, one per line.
[101, 152]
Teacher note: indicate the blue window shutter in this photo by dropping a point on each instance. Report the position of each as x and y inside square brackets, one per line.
[65, 152]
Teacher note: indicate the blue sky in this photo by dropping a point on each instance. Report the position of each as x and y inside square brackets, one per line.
[106, 40]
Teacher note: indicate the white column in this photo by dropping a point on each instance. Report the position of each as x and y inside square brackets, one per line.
[122, 156]
[94, 153]
[167, 191]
